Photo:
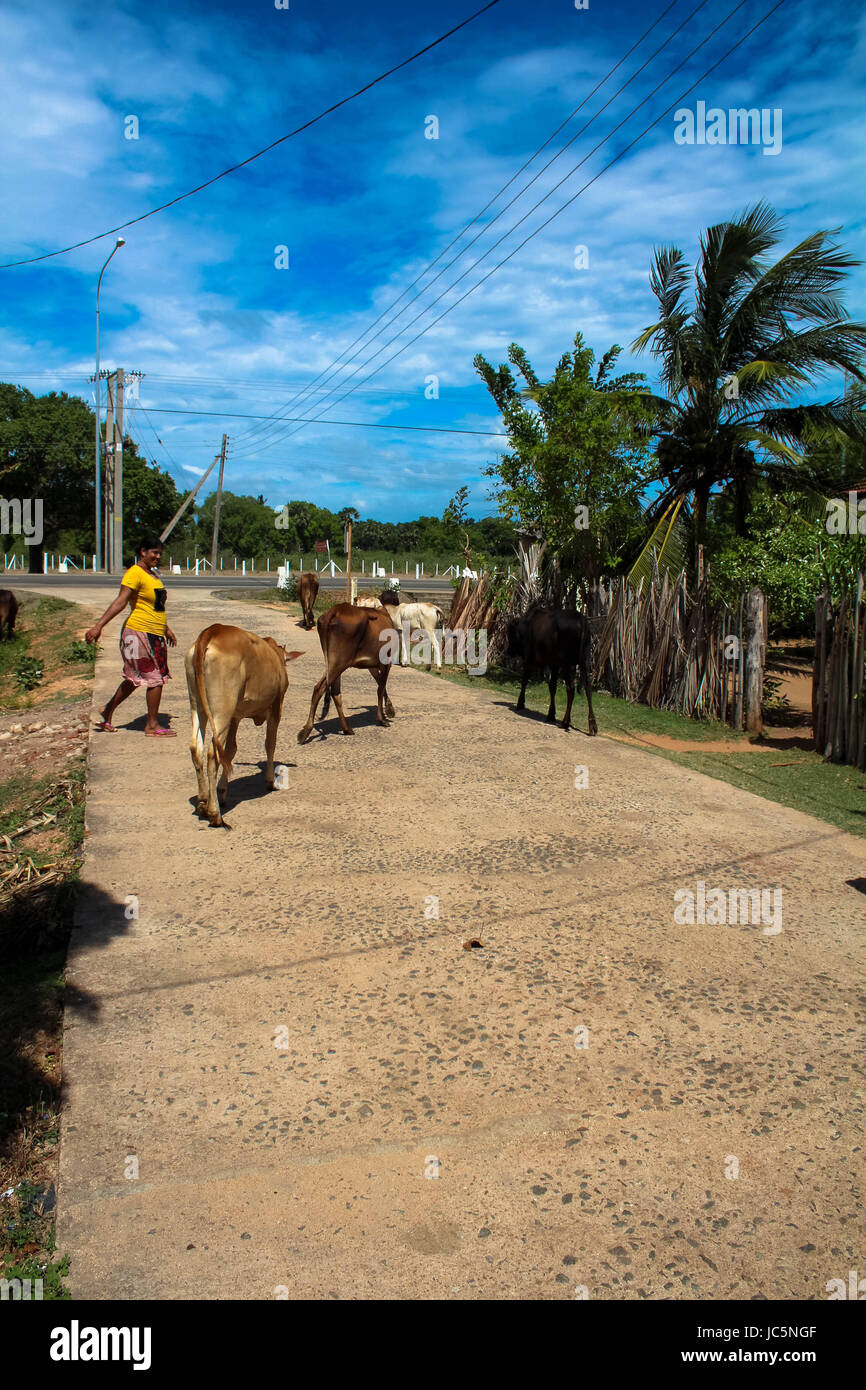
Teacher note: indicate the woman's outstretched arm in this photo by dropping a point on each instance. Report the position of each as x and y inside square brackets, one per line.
[126, 596]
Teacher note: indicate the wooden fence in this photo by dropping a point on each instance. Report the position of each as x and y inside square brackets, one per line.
[838, 694]
[659, 644]
[664, 646]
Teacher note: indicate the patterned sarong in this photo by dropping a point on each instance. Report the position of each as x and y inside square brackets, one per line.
[145, 658]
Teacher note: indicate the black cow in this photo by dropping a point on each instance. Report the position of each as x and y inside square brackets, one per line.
[8, 613]
[555, 640]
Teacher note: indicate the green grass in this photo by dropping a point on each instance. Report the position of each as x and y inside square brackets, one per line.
[45, 637]
[793, 777]
[50, 1272]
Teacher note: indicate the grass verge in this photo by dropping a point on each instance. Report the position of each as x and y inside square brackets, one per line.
[37, 896]
[41, 832]
[46, 642]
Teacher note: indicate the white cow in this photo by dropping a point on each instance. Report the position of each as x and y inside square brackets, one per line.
[426, 616]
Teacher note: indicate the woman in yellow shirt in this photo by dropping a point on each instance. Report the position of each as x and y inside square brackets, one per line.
[142, 638]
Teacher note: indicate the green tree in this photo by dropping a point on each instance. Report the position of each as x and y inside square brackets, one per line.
[46, 451]
[789, 554]
[734, 362]
[579, 457]
[247, 527]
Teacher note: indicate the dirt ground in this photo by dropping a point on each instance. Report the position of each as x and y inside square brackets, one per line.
[286, 1077]
[42, 738]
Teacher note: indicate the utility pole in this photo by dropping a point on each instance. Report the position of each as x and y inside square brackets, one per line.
[348, 540]
[116, 540]
[99, 490]
[121, 241]
[113, 530]
[108, 476]
[217, 505]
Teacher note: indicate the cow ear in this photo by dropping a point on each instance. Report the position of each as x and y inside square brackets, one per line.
[293, 656]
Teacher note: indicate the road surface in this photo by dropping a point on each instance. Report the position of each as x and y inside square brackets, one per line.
[286, 1076]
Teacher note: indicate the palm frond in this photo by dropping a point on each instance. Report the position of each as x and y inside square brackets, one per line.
[667, 548]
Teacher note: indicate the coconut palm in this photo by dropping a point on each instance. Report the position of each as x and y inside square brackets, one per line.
[734, 363]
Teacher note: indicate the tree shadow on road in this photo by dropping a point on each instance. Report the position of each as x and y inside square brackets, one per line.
[36, 927]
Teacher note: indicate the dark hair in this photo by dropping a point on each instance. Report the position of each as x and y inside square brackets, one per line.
[148, 543]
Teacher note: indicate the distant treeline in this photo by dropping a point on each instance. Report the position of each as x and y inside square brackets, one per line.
[46, 451]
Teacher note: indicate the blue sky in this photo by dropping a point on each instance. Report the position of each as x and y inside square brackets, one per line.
[364, 202]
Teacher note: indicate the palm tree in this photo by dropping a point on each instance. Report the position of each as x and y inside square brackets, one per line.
[734, 363]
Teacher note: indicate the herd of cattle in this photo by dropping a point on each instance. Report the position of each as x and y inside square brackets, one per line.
[233, 674]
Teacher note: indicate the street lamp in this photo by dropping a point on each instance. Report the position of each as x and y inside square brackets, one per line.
[121, 241]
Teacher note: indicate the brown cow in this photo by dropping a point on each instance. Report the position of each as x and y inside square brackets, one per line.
[231, 674]
[8, 613]
[352, 636]
[308, 589]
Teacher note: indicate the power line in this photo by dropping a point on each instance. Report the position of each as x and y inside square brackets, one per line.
[171, 459]
[31, 260]
[328, 371]
[264, 442]
[555, 214]
[223, 382]
[358, 424]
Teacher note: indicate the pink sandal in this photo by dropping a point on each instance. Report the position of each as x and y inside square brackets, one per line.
[161, 732]
[103, 727]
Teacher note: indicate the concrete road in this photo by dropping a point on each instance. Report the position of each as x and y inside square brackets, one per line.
[288, 1077]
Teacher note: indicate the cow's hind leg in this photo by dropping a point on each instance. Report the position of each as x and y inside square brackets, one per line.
[587, 685]
[551, 685]
[199, 762]
[384, 708]
[389, 708]
[521, 699]
[215, 774]
[274, 713]
[231, 747]
[568, 676]
[197, 745]
[318, 692]
[337, 696]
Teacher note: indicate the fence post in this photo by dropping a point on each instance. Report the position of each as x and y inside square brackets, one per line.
[756, 651]
[818, 672]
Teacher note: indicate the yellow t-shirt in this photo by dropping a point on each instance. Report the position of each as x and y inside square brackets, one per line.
[148, 615]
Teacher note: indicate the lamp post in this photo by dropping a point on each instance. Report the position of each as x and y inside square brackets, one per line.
[121, 241]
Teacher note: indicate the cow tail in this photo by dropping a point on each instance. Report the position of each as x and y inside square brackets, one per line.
[325, 645]
[198, 663]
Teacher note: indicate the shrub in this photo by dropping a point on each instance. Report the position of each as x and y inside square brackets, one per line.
[28, 672]
[81, 651]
